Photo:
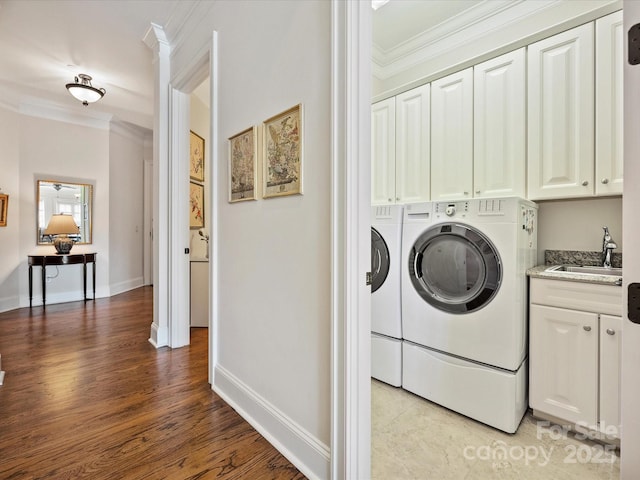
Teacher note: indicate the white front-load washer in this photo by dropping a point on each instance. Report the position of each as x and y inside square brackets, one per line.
[386, 324]
[464, 305]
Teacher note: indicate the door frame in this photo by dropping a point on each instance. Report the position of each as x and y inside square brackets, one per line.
[350, 240]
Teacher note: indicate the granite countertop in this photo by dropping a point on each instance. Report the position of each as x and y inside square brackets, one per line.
[540, 272]
[571, 257]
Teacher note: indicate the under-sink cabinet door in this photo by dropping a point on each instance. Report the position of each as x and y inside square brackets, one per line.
[563, 361]
[610, 348]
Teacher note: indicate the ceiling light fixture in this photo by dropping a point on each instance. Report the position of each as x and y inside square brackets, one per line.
[84, 91]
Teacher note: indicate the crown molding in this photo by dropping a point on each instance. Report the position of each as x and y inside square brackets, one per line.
[129, 131]
[62, 114]
[464, 28]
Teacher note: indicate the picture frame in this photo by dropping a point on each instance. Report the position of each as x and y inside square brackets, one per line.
[282, 153]
[196, 157]
[196, 204]
[4, 208]
[243, 180]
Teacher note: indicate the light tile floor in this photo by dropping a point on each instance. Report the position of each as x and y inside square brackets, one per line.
[414, 439]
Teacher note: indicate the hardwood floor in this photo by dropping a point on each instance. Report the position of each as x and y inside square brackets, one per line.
[87, 396]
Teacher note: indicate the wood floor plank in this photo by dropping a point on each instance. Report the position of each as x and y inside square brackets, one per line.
[86, 396]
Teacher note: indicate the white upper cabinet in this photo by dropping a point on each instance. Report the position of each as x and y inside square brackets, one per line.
[499, 126]
[561, 115]
[383, 152]
[452, 136]
[609, 95]
[412, 145]
[400, 148]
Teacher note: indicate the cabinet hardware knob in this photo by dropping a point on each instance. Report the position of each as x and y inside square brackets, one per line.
[585, 183]
[587, 328]
[466, 193]
[605, 180]
[390, 200]
[477, 191]
[611, 331]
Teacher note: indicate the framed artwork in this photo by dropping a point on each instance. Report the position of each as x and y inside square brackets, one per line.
[196, 204]
[4, 208]
[242, 166]
[196, 157]
[282, 160]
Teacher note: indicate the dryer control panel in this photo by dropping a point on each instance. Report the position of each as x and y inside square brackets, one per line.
[451, 209]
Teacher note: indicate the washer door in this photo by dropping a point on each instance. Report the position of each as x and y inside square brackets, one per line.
[455, 268]
[380, 260]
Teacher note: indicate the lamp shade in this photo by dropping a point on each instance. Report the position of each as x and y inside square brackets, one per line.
[61, 224]
[84, 91]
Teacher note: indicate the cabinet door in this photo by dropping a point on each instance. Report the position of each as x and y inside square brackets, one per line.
[563, 363]
[609, 64]
[412, 145]
[499, 128]
[561, 115]
[383, 152]
[452, 136]
[610, 348]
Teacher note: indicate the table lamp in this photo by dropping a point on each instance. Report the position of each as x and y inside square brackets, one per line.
[60, 226]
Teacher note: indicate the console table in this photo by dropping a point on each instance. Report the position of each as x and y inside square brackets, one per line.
[55, 260]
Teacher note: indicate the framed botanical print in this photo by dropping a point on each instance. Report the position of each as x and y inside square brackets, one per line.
[196, 157]
[282, 156]
[196, 204]
[4, 208]
[242, 166]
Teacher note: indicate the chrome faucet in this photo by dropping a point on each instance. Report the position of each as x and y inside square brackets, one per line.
[607, 247]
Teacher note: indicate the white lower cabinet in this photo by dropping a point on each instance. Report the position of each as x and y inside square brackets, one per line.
[574, 355]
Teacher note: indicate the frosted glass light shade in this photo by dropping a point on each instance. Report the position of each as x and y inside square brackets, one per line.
[84, 91]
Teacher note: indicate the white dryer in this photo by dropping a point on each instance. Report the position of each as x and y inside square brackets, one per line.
[386, 324]
[464, 305]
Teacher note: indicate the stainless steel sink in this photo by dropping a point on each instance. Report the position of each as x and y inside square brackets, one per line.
[586, 270]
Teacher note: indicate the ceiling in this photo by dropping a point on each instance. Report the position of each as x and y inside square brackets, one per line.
[44, 44]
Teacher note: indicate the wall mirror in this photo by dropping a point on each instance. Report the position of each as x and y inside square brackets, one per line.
[70, 198]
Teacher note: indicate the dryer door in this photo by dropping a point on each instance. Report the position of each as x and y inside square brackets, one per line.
[455, 268]
[380, 260]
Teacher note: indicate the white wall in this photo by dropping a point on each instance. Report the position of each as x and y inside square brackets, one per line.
[42, 145]
[126, 202]
[273, 316]
[577, 224]
[10, 235]
[67, 151]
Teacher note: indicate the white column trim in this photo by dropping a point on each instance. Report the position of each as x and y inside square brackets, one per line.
[351, 240]
[179, 124]
[159, 335]
[214, 162]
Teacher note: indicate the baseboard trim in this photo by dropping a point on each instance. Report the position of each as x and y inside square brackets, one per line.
[9, 303]
[125, 286]
[306, 452]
